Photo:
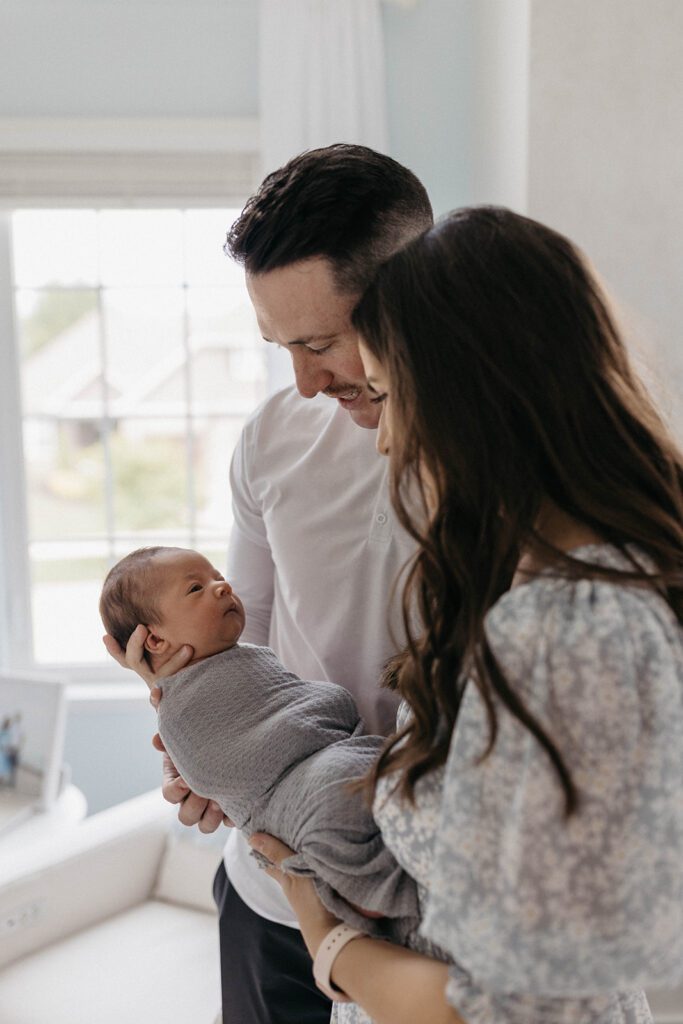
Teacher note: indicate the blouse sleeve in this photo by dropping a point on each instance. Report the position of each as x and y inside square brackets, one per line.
[531, 905]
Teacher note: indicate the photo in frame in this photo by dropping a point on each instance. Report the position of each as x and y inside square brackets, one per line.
[32, 726]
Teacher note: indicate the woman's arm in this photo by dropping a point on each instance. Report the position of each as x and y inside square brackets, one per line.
[392, 984]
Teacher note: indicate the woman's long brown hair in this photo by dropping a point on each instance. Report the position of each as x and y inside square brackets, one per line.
[509, 384]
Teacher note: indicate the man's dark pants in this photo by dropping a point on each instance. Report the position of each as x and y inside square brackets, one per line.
[266, 974]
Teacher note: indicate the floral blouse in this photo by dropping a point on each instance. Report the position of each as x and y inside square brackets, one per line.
[545, 920]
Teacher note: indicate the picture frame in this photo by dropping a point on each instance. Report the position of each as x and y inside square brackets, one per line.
[32, 729]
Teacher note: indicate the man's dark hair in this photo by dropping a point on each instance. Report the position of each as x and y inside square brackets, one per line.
[349, 204]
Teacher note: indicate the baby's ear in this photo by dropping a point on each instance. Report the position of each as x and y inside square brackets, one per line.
[154, 644]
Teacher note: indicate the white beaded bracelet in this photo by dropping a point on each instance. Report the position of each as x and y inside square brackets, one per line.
[330, 947]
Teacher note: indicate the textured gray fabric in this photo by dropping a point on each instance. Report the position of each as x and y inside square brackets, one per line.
[276, 753]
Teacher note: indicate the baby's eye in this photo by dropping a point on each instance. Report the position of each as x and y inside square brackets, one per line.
[194, 588]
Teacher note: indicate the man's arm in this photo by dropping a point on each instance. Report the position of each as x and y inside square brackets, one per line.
[250, 571]
[250, 567]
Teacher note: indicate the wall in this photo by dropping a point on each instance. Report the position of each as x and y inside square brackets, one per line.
[128, 58]
[430, 63]
[108, 748]
[606, 157]
[147, 58]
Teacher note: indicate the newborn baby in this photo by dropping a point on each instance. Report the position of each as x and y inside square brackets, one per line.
[276, 753]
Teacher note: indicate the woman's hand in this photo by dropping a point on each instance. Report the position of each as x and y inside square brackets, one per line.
[134, 656]
[392, 984]
[314, 918]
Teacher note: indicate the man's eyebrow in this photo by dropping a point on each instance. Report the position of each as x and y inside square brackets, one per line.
[304, 341]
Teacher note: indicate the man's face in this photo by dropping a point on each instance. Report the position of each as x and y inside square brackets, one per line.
[196, 606]
[300, 308]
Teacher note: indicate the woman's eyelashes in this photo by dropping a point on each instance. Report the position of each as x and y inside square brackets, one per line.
[378, 399]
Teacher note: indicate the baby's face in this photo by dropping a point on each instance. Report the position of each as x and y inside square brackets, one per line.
[196, 605]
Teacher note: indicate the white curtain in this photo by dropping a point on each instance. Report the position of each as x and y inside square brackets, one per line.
[321, 76]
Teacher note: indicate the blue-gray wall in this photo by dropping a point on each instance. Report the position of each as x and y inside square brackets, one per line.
[147, 58]
[109, 750]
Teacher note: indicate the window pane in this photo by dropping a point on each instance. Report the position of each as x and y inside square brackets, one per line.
[216, 553]
[61, 364]
[67, 582]
[149, 462]
[222, 316]
[205, 234]
[65, 478]
[228, 366]
[55, 247]
[145, 351]
[141, 247]
[214, 442]
[140, 358]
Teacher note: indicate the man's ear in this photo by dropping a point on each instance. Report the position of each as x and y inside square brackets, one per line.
[155, 644]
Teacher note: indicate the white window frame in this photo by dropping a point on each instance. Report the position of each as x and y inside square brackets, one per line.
[52, 163]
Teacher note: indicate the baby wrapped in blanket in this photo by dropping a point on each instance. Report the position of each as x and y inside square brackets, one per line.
[275, 752]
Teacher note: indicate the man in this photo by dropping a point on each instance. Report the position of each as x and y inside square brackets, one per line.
[315, 550]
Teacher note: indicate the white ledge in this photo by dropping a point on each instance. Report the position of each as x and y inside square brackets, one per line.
[106, 696]
[129, 135]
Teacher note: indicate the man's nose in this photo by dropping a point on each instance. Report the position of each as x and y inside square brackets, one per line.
[311, 378]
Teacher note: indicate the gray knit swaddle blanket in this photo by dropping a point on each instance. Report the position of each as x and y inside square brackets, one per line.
[276, 752]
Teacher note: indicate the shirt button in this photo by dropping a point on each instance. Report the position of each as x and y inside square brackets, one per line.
[381, 518]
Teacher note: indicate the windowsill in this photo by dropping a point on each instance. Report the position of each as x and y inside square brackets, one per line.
[116, 696]
[93, 685]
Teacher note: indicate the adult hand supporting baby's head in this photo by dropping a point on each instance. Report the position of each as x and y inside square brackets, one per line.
[134, 657]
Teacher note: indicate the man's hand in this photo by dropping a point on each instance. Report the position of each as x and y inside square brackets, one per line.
[134, 656]
[194, 809]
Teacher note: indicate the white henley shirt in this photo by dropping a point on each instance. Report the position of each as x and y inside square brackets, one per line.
[315, 552]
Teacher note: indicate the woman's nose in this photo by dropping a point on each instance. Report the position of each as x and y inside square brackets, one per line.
[383, 434]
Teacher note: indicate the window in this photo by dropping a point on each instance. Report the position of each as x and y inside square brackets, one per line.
[138, 359]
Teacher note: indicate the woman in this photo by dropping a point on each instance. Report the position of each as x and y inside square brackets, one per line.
[535, 787]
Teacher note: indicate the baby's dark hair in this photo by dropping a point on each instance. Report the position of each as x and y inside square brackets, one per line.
[128, 594]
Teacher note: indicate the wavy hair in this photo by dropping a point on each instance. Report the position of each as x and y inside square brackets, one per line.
[346, 203]
[509, 384]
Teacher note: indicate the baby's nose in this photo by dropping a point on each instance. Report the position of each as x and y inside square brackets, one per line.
[223, 588]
